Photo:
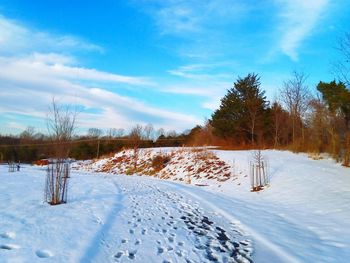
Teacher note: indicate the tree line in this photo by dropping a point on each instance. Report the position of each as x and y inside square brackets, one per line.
[299, 120]
[30, 145]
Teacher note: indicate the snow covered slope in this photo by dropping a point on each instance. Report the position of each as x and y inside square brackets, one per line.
[303, 216]
[177, 164]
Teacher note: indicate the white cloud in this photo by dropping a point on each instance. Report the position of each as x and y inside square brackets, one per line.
[35, 67]
[205, 80]
[194, 16]
[15, 38]
[298, 18]
[49, 67]
[28, 84]
[213, 104]
[200, 72]
[201, 27]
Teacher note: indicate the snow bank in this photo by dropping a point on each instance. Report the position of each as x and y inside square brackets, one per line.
[196, 165]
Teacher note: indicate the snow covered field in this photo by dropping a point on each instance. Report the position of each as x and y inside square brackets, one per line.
[303, 216]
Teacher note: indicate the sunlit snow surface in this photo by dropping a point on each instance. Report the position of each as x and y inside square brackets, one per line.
[303, 216]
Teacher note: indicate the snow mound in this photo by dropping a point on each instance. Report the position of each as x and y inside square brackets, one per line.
[187, 165]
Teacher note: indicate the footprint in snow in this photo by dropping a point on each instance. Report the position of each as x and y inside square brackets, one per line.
[44, 253]
[160, 250]
[119, 254]
[8, 235]
[179, 253]
[9, 246]
[132, 253]
[171, 239]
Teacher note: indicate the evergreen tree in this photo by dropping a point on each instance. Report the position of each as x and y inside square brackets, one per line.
[241, 111]
[337, 97]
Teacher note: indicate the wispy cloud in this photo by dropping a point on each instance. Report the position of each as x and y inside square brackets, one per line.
[202, 79]
[31, 83]
[195, 16]
[212, 104]
[37, 65]
[15, 37]
[56, 65]
[203, 72]
[298, 18]
[200, 24]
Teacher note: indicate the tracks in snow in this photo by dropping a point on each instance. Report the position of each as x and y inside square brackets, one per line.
[162, 225]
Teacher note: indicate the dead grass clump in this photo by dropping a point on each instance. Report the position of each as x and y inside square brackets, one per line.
[160, 161]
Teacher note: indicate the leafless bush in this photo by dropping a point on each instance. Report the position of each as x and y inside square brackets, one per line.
[61, 125]
[135, 137]
[203, 154]
[160, 161]
[258, 172]
[56, 184]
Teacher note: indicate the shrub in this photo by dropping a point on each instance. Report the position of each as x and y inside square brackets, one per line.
[160, 161]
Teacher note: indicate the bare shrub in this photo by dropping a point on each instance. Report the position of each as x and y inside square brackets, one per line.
[135, 137]
[258, 172]
[159, 161]
[61, 125]
[56, 184]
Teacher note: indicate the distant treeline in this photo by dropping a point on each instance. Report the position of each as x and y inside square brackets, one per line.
[29, 149]
[300, 119]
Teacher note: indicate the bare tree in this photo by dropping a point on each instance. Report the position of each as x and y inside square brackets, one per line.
[120, 132]
[135, 139]
[342, 66]
[171, 133]
[160, 132]
[295, 95]
[61, 123]
[148, 131]
[28, 133]
[281, 125]
[94, 132]
[319, 126]
[115, 133]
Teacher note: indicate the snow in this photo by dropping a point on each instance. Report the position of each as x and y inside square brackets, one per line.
[302, 216]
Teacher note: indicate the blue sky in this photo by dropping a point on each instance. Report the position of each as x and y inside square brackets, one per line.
[162, 62]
